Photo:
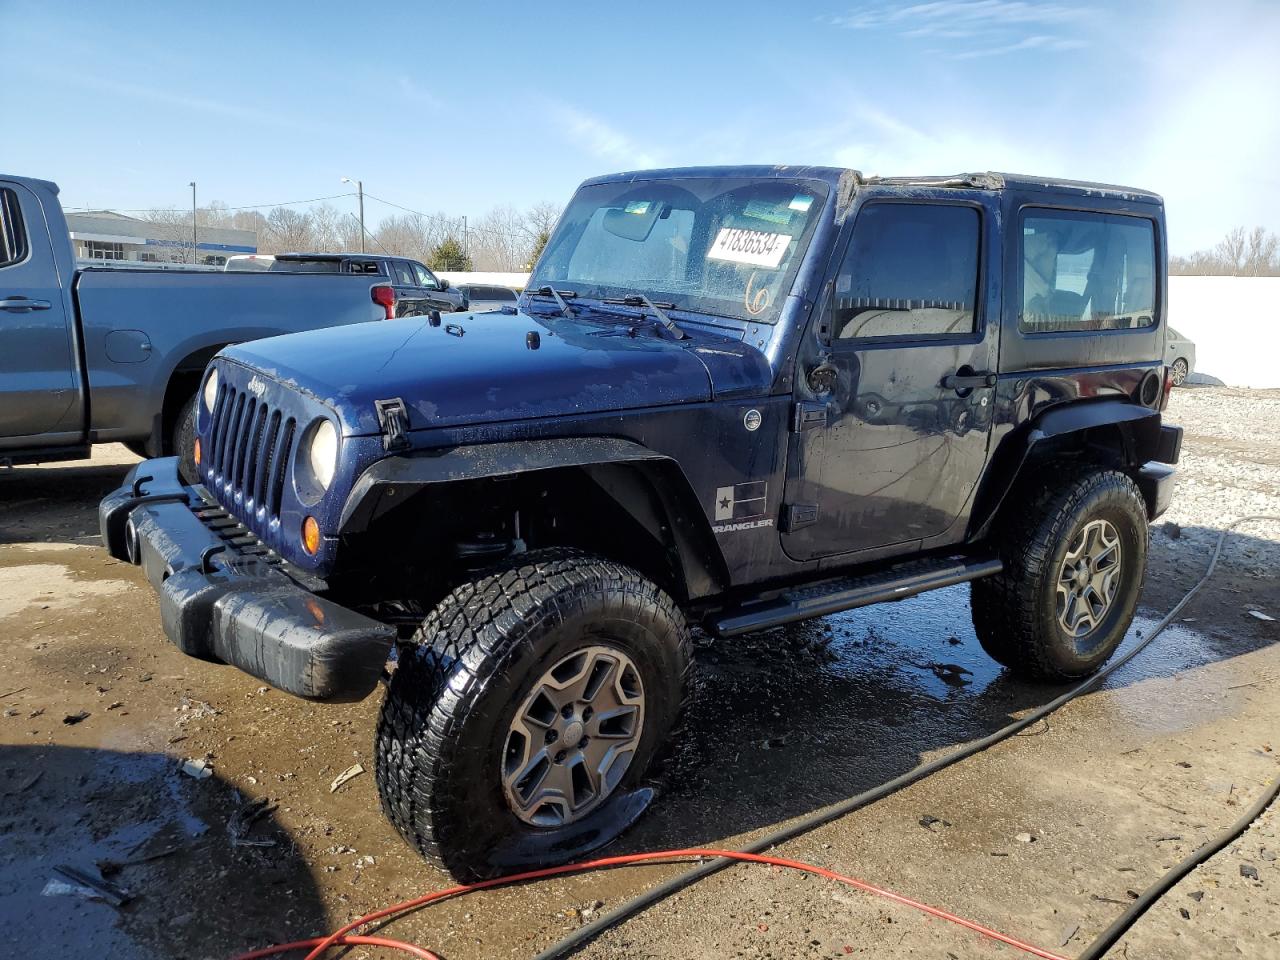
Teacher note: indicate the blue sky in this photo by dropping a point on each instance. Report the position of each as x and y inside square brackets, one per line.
[462, 107]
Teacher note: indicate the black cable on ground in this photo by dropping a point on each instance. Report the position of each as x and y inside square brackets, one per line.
[588, 932]
[1108, 938]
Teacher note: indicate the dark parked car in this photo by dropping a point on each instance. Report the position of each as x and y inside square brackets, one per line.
[485, 298]
[1180, 355]
[417, 291]
[734, 397]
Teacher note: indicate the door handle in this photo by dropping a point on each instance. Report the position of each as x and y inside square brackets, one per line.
[23, 304]
[968, 381]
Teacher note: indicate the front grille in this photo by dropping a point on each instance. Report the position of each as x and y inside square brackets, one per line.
[249, 448]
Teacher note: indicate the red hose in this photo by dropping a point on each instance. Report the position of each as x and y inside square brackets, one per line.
[343, 936]
[343, 941]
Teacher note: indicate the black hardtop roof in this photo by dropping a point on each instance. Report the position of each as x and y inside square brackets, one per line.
[834, 175]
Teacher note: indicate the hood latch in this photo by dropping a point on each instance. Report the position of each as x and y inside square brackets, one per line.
[393, 418]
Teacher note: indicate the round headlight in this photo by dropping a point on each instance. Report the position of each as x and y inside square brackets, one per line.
[322, 454]
[211, 390]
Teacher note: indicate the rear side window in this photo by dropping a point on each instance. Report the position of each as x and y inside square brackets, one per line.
[13, 235]
[306, 266]
[425, 277]
[911, 271]
[1086, 271]
[403, 273]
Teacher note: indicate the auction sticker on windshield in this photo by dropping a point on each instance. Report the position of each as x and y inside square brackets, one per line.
[749, 246]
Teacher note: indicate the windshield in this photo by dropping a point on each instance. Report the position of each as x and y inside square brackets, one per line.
[723, 246]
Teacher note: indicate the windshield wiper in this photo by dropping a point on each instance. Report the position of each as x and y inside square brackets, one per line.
[639, 299]
[559, 297]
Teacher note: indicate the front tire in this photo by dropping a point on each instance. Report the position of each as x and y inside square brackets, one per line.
[490, 754]
[184, 439]
[1075, 555]
[1179, 371]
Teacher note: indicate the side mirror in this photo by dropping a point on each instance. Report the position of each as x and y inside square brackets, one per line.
[444, 284]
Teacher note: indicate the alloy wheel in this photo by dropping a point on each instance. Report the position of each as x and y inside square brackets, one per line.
[574, 736]
[1089, 578]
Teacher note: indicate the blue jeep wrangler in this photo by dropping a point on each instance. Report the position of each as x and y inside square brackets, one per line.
[730, 398]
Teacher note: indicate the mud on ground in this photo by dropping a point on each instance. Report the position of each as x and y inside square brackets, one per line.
[1112, 790]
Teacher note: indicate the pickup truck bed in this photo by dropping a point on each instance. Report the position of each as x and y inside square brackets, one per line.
[102, 355]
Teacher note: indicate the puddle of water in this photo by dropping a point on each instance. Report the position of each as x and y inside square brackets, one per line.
[49, 585]
[859, 698]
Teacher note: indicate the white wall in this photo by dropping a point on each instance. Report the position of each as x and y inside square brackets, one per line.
[515, 281]
[1235, 323]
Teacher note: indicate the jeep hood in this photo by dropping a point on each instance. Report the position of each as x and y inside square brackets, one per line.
[484, 368]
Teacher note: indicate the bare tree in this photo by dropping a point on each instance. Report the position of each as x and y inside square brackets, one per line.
[287, 230]
[1241, 253]
[172, 228]
[504, 239]
[499, 241]
[409, 235]
[329, 229]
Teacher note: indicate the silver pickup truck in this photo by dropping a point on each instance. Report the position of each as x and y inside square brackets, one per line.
[103, 356]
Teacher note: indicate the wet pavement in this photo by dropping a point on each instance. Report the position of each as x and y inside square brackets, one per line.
[1112, 789]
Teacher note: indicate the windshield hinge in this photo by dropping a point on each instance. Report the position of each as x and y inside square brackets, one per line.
[393, 418]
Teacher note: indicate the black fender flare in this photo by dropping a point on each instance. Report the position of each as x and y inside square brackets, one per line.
[614, 462]
[1138, 428]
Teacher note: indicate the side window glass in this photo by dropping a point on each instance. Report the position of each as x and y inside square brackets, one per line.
[911, 270]
[425, 277]
[404, 274]
[1086, 271]
[13, 235]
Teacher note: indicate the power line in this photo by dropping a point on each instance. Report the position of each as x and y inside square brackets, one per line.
[251, 206]
[452, 221]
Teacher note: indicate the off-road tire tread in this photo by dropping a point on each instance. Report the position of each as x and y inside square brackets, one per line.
[184, 435]
[462, 644]
[1004, 607]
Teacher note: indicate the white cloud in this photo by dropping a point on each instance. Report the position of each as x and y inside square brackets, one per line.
[411, 91]
[994, 27]
[601, 140]
[953, 13]
[1039, 42]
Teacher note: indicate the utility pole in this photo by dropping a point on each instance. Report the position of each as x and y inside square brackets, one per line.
[359, 192]
[465, 250]
[195, 244]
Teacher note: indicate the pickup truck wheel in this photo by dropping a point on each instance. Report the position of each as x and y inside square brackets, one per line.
[184, 439]
[519, 728]
[1075, 554]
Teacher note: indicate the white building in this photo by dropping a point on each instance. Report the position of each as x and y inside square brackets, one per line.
[105, 235]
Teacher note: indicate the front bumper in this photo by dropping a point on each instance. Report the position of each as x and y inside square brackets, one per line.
[225, 598]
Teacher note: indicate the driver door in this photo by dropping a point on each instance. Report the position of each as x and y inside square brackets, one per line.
[890, 459]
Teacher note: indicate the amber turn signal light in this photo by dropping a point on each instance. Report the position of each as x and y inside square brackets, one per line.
[310, 535]
[196, 451]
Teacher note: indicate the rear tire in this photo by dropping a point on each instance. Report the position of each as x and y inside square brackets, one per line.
[455, 772]
[1075, 555]
[184, 439]
[1179, 370]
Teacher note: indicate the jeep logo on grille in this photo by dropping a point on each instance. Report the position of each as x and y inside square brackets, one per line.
[257, 387]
